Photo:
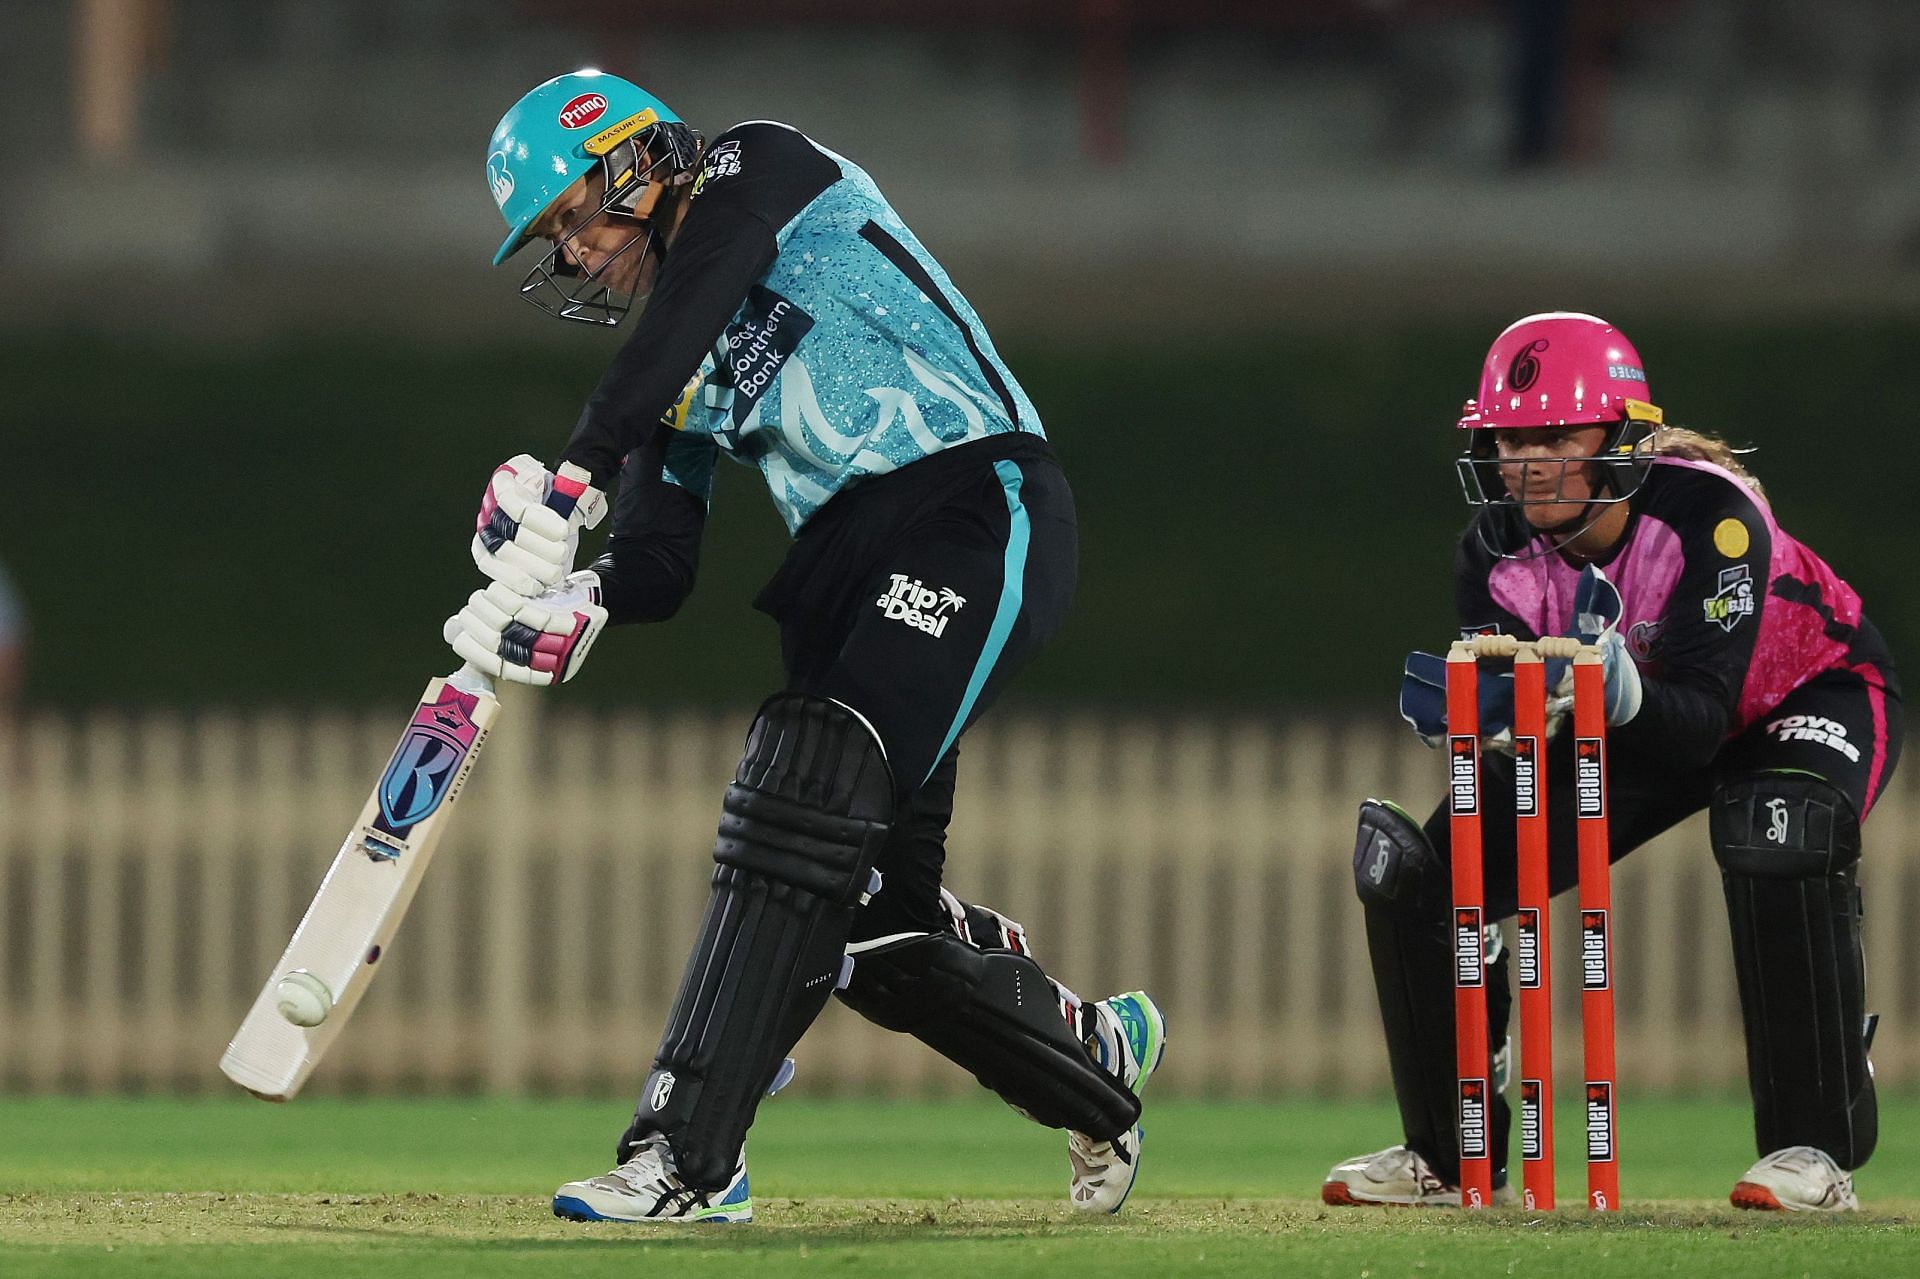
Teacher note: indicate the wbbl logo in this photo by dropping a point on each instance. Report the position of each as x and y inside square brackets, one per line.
[1532, 1139]
[1600, 1122]
[425, 768]
[1468, 955]
[1596, 952]
[1527, 939]
[1473, 1119]
[1589, 777]
[1463, 775]
[1526, 758]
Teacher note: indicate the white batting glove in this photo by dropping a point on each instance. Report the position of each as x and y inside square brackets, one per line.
[530, 521]
[537, 641]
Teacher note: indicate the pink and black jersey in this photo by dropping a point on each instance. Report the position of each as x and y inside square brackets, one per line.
[1724, 611]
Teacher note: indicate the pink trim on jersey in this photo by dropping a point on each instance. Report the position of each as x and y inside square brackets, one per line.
[1792, 647]
[1877, 703]
[1540, 591]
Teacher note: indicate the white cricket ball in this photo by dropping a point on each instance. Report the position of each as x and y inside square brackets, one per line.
[304, 999]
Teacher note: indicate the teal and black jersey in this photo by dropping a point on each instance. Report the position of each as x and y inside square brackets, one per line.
[799, 327]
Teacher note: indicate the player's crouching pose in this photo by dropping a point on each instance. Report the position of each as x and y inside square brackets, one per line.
[1741, 677]
[796, 324]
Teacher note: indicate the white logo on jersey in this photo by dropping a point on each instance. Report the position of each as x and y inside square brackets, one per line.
[920, 607]
[722, 162]
[1817, 729]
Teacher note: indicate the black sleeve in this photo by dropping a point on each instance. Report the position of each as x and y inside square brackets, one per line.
[754, 179]
[1707, 633]
[653, 552]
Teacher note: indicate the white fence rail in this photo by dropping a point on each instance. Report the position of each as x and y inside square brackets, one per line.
[151, 869]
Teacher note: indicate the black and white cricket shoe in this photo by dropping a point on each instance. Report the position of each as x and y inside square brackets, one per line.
[647, 1188]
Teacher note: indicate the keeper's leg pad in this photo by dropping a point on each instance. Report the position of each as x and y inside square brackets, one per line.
[802, 824]
[1406, 894]
[995, 1013]
[1788, 845]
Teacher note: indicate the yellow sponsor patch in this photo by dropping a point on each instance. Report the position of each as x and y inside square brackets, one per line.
[676, 417]
[1731, 539]
[1641, 411]
[607, 139]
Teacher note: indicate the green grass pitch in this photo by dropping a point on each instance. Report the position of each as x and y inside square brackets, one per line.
[230, 1187]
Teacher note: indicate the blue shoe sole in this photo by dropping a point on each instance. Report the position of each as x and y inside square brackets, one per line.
[568, 1208]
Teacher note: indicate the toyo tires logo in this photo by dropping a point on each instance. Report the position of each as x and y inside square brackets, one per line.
[583, 111]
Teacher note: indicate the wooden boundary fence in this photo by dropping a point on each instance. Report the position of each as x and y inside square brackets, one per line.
[152, 867]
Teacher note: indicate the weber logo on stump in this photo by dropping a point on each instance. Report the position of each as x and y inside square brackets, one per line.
[1468, 953]
[1599, 1122]
[1589, 777]
[1532, 1146]
[1527, 944]
[1596, 955]
[1473, 1119]
[1463, 775]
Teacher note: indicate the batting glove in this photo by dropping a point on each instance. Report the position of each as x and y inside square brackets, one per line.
[543, 640]
[530, 521]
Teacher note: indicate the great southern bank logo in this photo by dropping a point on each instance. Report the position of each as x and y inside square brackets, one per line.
[920, 607]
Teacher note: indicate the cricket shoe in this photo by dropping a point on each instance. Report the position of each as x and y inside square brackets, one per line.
[1797, 1179]
[1128, 1039]
[647, 1188]
[1395, 1176]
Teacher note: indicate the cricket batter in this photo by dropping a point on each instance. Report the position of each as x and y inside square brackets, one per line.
[1741, 677]
[793, 323]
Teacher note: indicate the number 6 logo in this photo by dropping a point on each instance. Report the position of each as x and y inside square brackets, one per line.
[1525, 369]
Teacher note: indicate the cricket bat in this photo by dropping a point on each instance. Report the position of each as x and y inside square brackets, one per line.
[337, 948]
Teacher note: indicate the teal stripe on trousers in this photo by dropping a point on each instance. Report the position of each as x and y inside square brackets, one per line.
[1012, 593]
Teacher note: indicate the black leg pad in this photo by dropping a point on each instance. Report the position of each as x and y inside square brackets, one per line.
[1789, 847]
[802, 824]
[1406, 894]
[994, 1013]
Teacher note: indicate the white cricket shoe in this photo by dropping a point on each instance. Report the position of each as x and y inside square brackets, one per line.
[1395, 1176]
[1797, 1179]
[1129, 1039]
[646, 1188]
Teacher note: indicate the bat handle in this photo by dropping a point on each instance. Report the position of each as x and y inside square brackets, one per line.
[469, 679]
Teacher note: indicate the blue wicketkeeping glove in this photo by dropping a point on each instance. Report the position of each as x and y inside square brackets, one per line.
[1423, 700]
[1596, 621]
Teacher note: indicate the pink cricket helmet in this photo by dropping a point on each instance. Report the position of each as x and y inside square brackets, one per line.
[1560, 368]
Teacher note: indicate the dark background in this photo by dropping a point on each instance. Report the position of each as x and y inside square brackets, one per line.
[1246, 257]
[1265, 524]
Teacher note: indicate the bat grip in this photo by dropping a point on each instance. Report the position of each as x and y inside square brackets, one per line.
[469, 679]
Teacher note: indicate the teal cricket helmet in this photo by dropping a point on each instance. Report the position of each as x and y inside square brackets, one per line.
[556, 134]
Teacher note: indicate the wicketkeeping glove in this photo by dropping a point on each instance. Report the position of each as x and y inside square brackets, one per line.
[1423, 700]
[530, 521]
[543, 640]
[1596, 621]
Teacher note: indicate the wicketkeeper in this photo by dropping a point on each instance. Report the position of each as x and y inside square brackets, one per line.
[793, 323]
[1741, 678]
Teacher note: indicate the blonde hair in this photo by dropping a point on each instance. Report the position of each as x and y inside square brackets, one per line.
[1697, 446]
